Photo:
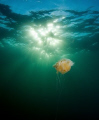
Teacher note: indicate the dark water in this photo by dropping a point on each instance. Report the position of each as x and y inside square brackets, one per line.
[29, 46]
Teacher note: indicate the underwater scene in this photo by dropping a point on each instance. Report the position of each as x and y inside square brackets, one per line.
[49, 59]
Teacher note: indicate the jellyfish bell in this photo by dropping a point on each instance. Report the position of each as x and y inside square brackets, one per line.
[63, 65]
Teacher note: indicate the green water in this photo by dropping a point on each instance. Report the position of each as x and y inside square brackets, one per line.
[29, 86]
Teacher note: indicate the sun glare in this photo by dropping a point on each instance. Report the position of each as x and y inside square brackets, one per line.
[45, 37]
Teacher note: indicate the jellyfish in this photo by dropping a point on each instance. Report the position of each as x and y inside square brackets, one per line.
[63, 66]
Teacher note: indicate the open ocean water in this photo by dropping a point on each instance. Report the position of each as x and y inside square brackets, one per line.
[34, 35]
